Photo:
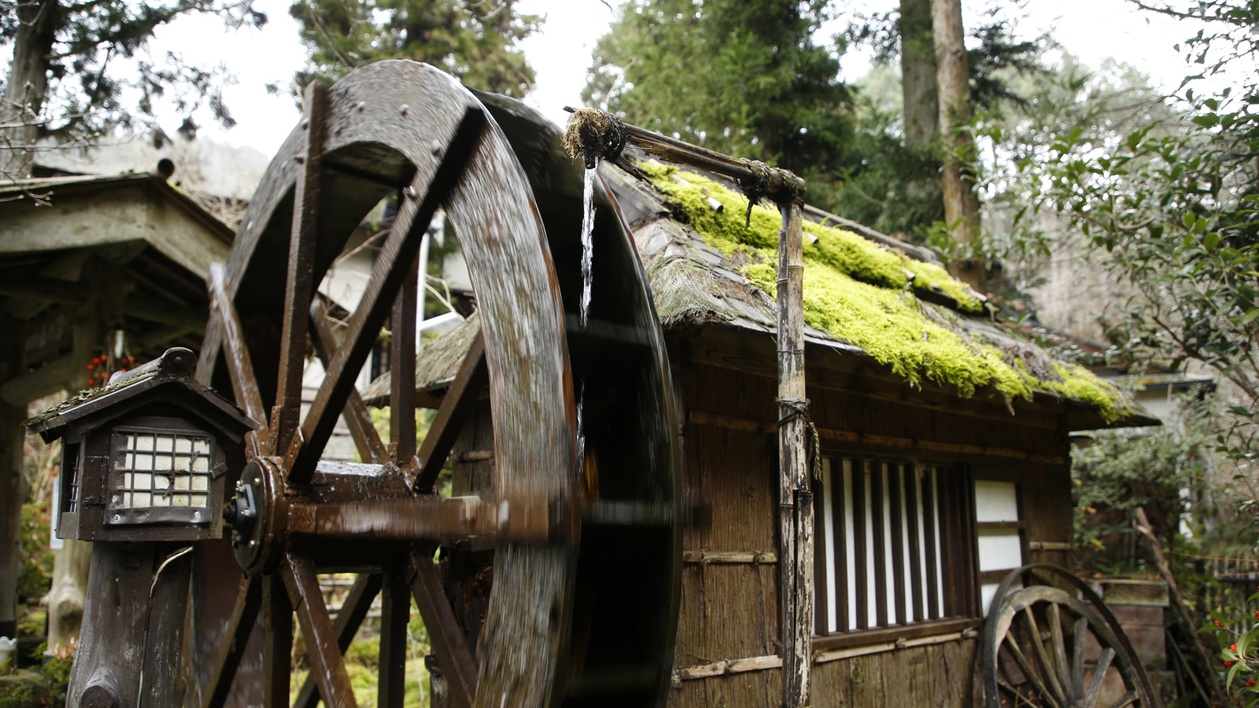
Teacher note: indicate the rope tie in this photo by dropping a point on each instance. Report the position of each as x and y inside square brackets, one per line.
[756, 187]
[800, 410]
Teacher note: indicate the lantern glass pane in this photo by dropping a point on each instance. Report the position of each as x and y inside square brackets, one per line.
[160, 469]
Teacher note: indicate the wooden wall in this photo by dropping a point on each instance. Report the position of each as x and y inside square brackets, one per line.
[726, 401]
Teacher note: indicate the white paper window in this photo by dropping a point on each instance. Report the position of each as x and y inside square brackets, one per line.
[155, 469]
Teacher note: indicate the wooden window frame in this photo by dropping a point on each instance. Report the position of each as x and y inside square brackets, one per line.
[958, 551]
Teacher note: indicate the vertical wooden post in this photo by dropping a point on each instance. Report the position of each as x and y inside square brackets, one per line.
[795, 562]
[12, 483]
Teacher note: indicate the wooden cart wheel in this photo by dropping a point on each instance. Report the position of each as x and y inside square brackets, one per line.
[1044, 646]
[564, 548]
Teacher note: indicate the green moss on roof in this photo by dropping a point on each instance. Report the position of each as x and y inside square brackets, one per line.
[860, 293]
[837, 248]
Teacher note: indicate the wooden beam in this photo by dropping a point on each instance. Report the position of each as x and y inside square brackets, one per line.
[55, 376]
[34, 287]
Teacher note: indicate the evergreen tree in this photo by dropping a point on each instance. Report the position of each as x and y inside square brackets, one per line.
[63, 78]
[740, 77]
[473, 40]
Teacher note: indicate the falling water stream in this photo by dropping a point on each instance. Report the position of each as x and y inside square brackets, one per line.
[587, 242]
[587, 278]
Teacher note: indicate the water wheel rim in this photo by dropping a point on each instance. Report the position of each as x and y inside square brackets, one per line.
[1054, 677]
[398, 125]
[248, 269]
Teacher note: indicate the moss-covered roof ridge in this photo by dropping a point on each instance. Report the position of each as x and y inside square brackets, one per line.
[858, 292]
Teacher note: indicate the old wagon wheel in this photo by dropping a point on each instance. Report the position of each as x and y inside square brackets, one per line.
[1044, 646]
[556, 631]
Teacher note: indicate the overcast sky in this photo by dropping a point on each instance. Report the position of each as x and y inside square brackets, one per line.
[560, 54]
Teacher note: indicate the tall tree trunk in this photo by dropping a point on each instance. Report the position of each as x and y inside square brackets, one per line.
[12, 484]
[921, 110]
[24, 90]
[961, 204]
[69, 587]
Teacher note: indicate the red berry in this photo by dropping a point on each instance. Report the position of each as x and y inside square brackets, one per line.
[1233, 648]
[1251, 682]
[1219, 623]
[1229, 663]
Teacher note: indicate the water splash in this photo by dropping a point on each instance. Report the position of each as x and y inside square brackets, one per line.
[587, 243]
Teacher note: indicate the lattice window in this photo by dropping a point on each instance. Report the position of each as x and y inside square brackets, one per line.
[70, 478]
[895, 544]
[160, 469]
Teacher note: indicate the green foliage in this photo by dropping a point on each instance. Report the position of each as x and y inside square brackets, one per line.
[1237, 634]
[1170, 200]
[87, 94]
[35, 576]
[43, 688]
[471, 40]
[745, 78]
[1122, 470]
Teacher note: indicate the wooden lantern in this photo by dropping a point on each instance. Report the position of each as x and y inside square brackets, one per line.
[146, 457]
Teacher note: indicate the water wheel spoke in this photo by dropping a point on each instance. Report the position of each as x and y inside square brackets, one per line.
[1079, 632]
[239, 625]
[240, 367]
[402, 368]
[358, 601]
[327, 663]
[395, 612]
[277, 651]
[393, 263]
[366, 440]
[449, 644]
[300, 276]
[1048, 673]
[1030, 672]
[456, 406]
[1053, 615]
[1099, 675]
[1016, 694]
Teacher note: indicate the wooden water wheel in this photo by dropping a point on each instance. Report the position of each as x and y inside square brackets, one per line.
[1045, 646]
[582, 606]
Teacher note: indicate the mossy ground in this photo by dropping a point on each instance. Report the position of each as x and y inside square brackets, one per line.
[862, 293]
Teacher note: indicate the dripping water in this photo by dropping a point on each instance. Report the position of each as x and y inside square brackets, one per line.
[587, 278]
[587, 242]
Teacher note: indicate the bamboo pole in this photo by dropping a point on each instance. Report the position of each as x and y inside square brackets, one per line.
[796, 500]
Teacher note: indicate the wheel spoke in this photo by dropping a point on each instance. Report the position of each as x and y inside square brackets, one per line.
[357, 419]
[392, 264]
[358, 601]
[239, 365]
[1061, 667]
[456, 406]
[1029, 672]
[1077, 654]
[402, 369]
[394, 613]
[1048, 673]
[300, 285]
[327, 663]
[241, 623]
[1099, 675]
[277, 658]
[451, 647]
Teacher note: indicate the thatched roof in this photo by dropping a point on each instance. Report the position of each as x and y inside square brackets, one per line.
[866, 295]
[863, 296]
